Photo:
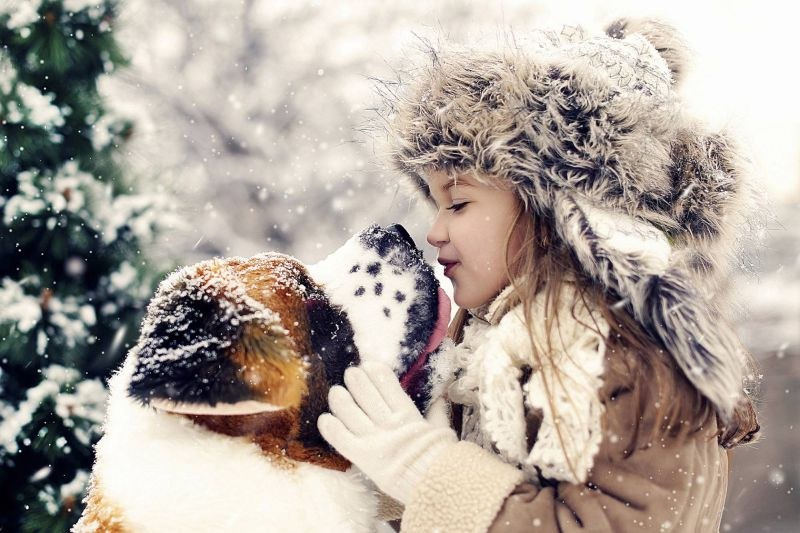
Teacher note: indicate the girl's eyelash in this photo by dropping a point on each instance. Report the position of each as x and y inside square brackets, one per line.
[457, 207]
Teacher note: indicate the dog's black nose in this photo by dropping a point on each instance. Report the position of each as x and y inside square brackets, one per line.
[397, 229]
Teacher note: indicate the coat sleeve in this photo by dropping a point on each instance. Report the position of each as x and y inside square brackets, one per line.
[667, 485]
[674, 488]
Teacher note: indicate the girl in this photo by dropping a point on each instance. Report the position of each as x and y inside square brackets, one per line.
[585, 223]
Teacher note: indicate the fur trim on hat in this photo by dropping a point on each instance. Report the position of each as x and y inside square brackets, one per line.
[586, 126]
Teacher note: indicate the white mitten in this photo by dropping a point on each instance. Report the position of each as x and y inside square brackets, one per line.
[378, 428]
[438, 412]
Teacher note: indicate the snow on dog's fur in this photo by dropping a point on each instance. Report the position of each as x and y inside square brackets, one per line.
[211, 421]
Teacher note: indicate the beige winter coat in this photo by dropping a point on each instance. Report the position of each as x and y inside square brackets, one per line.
[666, 485]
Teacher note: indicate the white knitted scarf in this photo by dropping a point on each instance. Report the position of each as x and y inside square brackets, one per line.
[489, 365]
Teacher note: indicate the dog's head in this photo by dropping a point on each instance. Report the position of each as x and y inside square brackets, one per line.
[264, 334]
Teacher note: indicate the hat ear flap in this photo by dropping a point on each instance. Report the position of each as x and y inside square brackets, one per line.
[659, 296]
[705, 348]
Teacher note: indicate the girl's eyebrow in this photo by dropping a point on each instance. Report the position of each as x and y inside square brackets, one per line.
[452, 182]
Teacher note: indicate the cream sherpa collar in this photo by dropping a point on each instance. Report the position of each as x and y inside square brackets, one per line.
[490, 364]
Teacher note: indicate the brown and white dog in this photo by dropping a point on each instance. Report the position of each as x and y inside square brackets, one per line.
[211, 420]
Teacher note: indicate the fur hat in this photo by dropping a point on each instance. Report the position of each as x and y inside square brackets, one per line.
[590, 133]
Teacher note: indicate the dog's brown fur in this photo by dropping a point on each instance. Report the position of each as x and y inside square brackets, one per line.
[276, 434]
[100, 514]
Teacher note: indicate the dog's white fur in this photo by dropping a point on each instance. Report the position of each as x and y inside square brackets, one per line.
[144, 452]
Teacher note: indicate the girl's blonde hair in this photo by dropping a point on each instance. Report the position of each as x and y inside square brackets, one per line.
[542, 264]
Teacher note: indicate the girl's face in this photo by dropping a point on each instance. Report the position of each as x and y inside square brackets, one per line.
[470, 229]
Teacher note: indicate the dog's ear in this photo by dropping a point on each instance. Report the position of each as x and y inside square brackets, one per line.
[206, 341]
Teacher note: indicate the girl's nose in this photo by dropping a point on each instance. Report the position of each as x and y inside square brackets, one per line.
[437, 235]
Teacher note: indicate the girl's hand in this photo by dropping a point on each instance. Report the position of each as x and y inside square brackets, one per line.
[375, 425]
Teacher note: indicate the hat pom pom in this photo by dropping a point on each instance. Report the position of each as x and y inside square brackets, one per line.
[664, 38]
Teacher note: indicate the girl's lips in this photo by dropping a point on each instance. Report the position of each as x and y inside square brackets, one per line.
[449, 267]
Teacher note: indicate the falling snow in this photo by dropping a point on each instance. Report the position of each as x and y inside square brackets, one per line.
[273, 144]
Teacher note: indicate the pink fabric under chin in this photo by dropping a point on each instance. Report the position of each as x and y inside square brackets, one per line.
[437, 336]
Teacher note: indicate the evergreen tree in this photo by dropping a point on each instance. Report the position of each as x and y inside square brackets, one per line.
[72, 279]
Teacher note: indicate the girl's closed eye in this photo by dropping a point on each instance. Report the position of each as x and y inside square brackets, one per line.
[458, 206]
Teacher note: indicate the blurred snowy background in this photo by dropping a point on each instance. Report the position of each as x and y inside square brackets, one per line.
[249, 119]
